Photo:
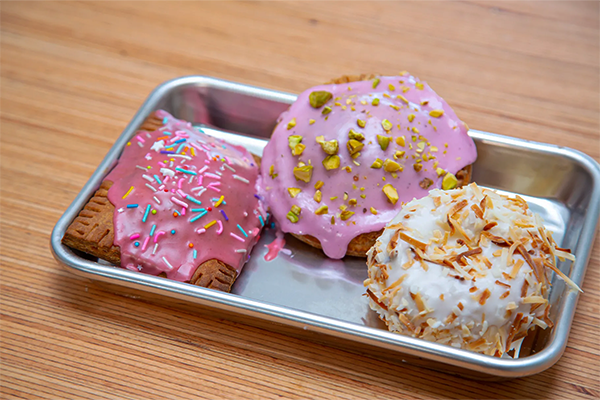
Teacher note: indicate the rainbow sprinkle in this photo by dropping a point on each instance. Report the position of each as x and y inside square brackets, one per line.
[129, 191]
[242, 230]
[146, 213]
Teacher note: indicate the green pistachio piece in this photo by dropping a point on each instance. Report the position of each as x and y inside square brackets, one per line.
[298, 149]
[272, 173]
[291, 124]
[449, 181]
[354, 146]
[318, 196]
[418, 167]
[319, 184]
[355, 135]
[294, 192]
[361, 122]
[440, 171]
[436, 113]
[376, 82]
[391, 193]
[296, 210]
[322, 210]
[373, 211]
[383, 141]
[294, 140]
[411, 117]
[320, 139]
[425, 183]
[387, 125]
[346, 215]
[375, 102]
[331, 162]
[319, 98]
[352, 202]
[377, 164]
[400, 97]
[303, 173]
[326, 110]
[330, 147]
[401, 141]
[390, 166]
[292, 217]
[419, 85]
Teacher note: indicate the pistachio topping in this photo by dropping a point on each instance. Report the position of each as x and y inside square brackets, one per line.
[292, 217]
[375, 102]
[311, 121]
[332, 162]
[294, 140]
[373, 211]
[361, 122]
[294, 192]
[419, 86]
[291, 124]
[320, 139]
[296, 210]
[352, 202]
[415, 130]
[426, 183]
[319, 185]
[411, 117]
[354, 146]
[377, 164]
[326, 110]
[330, 147]
[356, 135]
[400, 97]
[322, 210]
[391, 87]
[401, 141]
[399, 154]
[346, 215]
[391, 166]
[383, 141]
[387, 125]
[418, 166]
[318, 196]
[319, 98]
[449, 181]
[391, 193]
[376, 82]
[303, 173]
[298, 149]
[436, 113]
[272, 173]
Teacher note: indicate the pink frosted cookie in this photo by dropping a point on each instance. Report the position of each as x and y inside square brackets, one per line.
[346, 155]
[179, 203]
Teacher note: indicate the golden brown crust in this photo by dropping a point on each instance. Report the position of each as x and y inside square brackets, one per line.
[92, 232]
[359, 246]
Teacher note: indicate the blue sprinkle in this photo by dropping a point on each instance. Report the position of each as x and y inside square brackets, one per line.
[152, 230]
[166, 152]
[179, 141]
[242, 230]
[146, 213]
[214, 199]
[257, 196]
[195, 254]
[197, 209]
[262, 223]
[272, 225]
[185, 171]
[172, 231]
[224, 215]
[181, 146]
[167, 133]
[197, 217]
[165, 119]
[190, 198]
[137, 244]
[158, 179]
[132, 206]
[223, 146]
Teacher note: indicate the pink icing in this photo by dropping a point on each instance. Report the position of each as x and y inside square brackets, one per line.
[168, 249]
[275, 246]
[446, 134]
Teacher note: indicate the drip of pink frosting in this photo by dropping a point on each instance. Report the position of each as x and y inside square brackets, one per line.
[406, 103]
[195, 203]
[275, 246]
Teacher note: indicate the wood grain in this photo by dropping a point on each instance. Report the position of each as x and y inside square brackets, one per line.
[73, 74]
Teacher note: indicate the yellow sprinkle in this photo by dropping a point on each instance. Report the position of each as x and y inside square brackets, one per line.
[129, 191]
[193, 152]
[128, 143]
[218, 203]
[211, 223]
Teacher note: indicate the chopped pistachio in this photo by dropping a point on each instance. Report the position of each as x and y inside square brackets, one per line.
[333, 198]
[361, 122]
[330, 147]
[319, 98]
[318, 196]
[292, 217]
[373, 211]
[375, 82]
[401, 141]
[347, 169]
[436, 113]
[383, 141]
[387, 96]
[415, 130]
[387, 125]
[400, 97]
[419, 85]
[424, 102]
[377, 164]
[311, 121]
[405, 89]
[319, 185]
[326, 110]
[346, 215]
[345, 196]
[375, 102]
[355, 155]
[391, 193]
[449, 181]
[332, 220]
[354, 146]
[303, 173]
[356, 135]
[391, 87]
[421, 146]
[320, 139]
[291, 124]
[322, 210]
[399, 153]
[403, 73]
[418, 167]
[395, 107]
[298, 149]
[294, 140]
[294, 192]
[331, 162]
[272, 173]
[337, 103]
[390, 166]
[296, 210]
[352, 202]
[411, 117]
[425, 183]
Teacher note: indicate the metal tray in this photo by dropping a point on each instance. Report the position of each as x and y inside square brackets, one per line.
[308, 295]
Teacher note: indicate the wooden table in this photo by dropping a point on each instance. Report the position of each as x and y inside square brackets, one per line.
[73, 74]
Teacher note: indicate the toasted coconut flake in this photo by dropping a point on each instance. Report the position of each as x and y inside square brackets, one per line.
[534, 300]
[413, 242]
[419, 301]
[460, 306]
[395, 284]
[478, 211]
[506, 285]
[487, 262]
[469, 253]
[500, 241]
[515, 269]
[515, 327]
[561, 253]
[490, 225]
[505, 294]
[393, 241]
[406, 322]
[437, 201]
[484, 296]
[457, 207]
[535, 267]
[397, 226]
[376, 300]
[524, 288]
[450, 318]
[567, 280]
[473, 289]
[540, 323]
[483, 203]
